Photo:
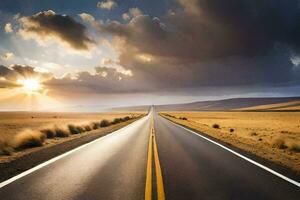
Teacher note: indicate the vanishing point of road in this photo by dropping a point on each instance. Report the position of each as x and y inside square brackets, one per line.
[151, 158]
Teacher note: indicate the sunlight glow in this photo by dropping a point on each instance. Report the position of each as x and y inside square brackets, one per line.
[30, 85]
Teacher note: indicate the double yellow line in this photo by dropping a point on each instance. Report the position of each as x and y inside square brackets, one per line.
[152, 148]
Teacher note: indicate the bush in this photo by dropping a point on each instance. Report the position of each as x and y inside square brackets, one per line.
[73, 129]
[253, 134]
[279, 143]
[87, 128]
[217, 126]
[95, 125]
[116, 121]
[5, 149]
[126, 118]
[80, 129]
[49, 133]
[231, 130]
[183, 118]
[295, 147]
[61, 132]
[104, 123]
[28, 139]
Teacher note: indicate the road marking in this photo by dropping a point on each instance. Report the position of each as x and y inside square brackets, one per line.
[152, 146]
[52, 160]
[241, 156]
[159, 178]
[148, 189]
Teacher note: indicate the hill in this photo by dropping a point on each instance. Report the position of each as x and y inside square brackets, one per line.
[242, 104]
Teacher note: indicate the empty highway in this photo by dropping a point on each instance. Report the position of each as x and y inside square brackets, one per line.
[151, 158]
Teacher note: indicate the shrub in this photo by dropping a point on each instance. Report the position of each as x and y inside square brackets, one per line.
[95, 125]
[231, 130]
[61, 132]
[49, 133]
[80, 129]
[126, 118]
[104, 123]
[5, 148]
[253, 134]
[295, 147]
[87, 128]
[279, 143]
[217, 126]
[73, 129]
[28, 138]
[116, 121]
[184, 118]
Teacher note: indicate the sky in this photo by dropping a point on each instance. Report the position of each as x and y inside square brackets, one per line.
[84, 55]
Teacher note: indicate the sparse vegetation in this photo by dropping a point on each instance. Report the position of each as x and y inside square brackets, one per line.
[5, 148]
[279, 143]
[253, 134]
[95, 125]
[216, 126]
[104, 123]
[59, 132]
[183, 118]
[72, 128]
[80, 129]
[48, 133]
[87, 128]
[272, 135]
[116, 120]
[28, 138]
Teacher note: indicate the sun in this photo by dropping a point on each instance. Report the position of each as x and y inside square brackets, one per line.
[30, 85]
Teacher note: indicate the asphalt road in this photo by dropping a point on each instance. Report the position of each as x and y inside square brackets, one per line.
[114, 167]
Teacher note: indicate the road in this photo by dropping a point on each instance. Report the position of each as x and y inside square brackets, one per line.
[116, 167]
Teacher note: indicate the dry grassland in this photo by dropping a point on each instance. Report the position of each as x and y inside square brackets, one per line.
[271, 135]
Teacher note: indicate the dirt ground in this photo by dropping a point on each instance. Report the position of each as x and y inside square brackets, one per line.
[272, 135]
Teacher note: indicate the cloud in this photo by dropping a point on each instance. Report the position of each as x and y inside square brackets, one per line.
[209, 43]
[47, 25]
[7, 55]
[8, 28]
[90, 19]
[134, 12]
[126, 16]
[103, 80]
[107, 4]
[10, 75]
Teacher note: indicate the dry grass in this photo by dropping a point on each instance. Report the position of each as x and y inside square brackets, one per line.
[12, 123]
[34, 136]
[27, 139]
[272, 135]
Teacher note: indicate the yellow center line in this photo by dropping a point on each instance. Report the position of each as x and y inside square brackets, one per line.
[159, 177]
[148, 189]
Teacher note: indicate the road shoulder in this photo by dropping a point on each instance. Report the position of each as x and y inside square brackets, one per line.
[38, 155]
[286, 171]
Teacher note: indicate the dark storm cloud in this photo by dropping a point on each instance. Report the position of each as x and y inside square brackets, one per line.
[47, 24]
[212, 42]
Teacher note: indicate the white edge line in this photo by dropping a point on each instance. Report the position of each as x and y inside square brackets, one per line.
[52, 160]
[241, 156]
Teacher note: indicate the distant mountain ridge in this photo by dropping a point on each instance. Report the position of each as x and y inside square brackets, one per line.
[218, 105]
